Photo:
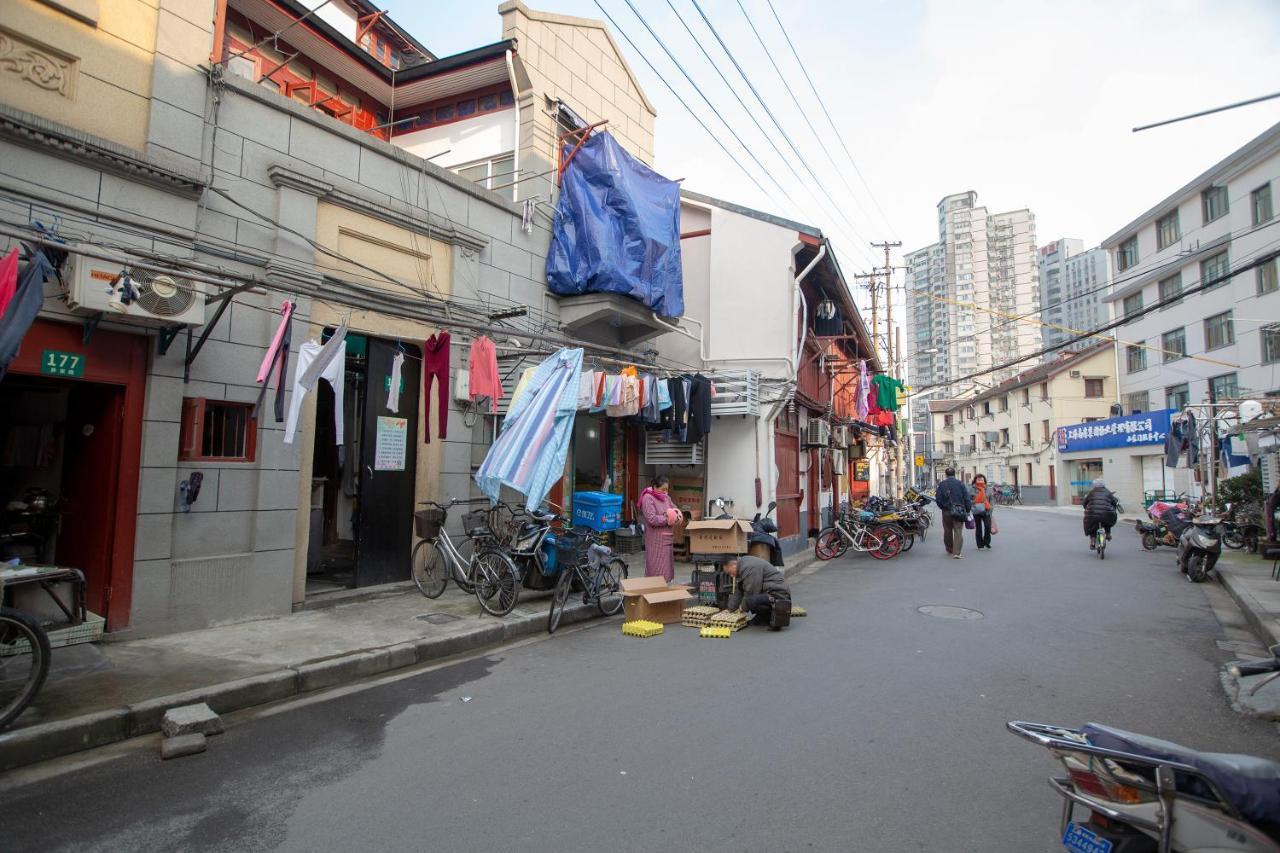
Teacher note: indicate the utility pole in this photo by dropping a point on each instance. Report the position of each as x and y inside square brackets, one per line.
[891, 364]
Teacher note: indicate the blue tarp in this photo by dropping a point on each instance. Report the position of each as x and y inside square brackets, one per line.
[617, 229]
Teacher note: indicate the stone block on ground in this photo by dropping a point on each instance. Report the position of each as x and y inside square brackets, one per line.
[191, 719]
[189, 744]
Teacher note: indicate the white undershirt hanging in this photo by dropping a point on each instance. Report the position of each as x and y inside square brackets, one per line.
[334, 373]
[393, 393]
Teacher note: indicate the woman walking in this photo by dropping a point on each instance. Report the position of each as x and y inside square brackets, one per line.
[981, 512]
[660, 517]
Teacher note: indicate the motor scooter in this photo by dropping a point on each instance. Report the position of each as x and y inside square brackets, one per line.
[764, 531]
[1199, 547]
[1145, 795]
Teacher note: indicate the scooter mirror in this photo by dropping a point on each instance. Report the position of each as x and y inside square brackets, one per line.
[773, 505]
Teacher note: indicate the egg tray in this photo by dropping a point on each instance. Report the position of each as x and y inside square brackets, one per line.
[797, 610]
[729, 619]
[641, 628]
[697, 616]
[710, 632]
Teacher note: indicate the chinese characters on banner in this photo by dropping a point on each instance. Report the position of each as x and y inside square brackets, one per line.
[1142, 428]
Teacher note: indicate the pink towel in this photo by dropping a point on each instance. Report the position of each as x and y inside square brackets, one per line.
[286, 309]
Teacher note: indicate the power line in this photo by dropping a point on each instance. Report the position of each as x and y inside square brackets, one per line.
[822, 103]
[772, 117]
[1106, 327]
[682, 101]
[1209, 112]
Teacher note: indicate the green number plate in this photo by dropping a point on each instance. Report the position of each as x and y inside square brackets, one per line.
[56, 363]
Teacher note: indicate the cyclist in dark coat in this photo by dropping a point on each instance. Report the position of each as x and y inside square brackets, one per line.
[1100, 510]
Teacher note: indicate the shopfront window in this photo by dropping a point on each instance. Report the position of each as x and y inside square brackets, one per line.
[1084, 472]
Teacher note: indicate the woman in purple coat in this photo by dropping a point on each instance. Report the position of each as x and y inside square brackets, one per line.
[660, 516]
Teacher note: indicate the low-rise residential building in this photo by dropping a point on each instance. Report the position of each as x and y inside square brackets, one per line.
[1008, 432]
[1198, 288]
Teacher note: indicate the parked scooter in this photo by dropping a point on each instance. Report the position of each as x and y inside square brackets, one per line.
[1240, 531]
[765, 531]
[1199, 547]
[1145, 795]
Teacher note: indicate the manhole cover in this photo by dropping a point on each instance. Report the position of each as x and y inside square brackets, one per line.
[946, 611]
[438, 618]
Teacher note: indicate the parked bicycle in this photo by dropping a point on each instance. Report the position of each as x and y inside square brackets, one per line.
[1006, 495]
[488, 573]
[24, 661]
[590, 568]
[856, 530]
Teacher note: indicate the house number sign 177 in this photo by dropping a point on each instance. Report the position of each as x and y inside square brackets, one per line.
[56, 363]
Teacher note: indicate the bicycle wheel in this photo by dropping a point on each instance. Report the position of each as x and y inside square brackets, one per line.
[609, 586]
[497, 583]
[908, 541]
[891, 542]
[830, 544]
[560, 598]
[1101, 545]
[428, 569]
[24, 662]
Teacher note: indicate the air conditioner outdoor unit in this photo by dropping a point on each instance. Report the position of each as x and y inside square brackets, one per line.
[1075, 374]
[95, 286]
[817, 434]
[840, 436]
[992, 437]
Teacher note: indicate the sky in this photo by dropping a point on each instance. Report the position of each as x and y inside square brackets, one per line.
[1030, 104]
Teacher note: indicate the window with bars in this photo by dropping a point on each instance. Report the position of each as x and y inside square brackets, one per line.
[1214, 202]
[1171, 288]
[1127, 253]
[1177, 396]
[1219, 331]
[1261, 199]
[1174, 344]
[1270, 343]
[1215, 268]
[1167, 232]
[1138, 401]
[217, 431]
[1268, 278]
[1225, 387]
[1135, 358]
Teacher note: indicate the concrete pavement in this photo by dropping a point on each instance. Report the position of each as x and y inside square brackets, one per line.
[869, 725]
[104, 693]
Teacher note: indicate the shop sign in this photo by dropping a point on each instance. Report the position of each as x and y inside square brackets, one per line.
[1141, 429]
[57, 363]
[919, 461]
[391, 444]
[862, 470]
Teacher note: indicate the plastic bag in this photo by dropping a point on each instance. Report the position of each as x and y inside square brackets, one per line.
[968, 523]
[994, 529]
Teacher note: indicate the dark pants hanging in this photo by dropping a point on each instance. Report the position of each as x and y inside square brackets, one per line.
[982, 529]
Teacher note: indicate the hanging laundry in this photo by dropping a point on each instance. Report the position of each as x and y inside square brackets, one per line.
[521, 385]
[273, 350]
[864, 390]
[887, 389]
[526, 216]
[1191, 442]
[8, 279]
[393, 387]
[586, 390]
[675, 420]
[699, 408]
[664, 395]
[328, 353]
[650, 411]
[627, 400]
[483, 373]
[335, 374]
[529, 453]
[24, 306]
[277, 354]
[435, 369]
[1173, 443]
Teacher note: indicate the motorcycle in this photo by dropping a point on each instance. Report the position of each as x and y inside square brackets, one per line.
[1199, 547]
[1144, 795]
[764, 531]
[1240, 531]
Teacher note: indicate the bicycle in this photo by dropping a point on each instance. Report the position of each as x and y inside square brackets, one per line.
[590, 567]
[489, 573]
[1100, 542]
[883, 542]
[24, 661]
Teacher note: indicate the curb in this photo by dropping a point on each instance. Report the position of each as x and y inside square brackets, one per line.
[1259, 618]
[62, 737]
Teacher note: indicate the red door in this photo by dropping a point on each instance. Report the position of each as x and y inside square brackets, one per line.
[786, 453]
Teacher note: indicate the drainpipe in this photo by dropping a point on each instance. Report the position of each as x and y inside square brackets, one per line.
[515, 153]
[798, 295]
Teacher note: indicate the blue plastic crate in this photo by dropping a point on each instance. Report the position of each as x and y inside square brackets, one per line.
[597, 510]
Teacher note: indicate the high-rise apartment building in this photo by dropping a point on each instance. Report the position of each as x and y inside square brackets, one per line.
[1071, 291]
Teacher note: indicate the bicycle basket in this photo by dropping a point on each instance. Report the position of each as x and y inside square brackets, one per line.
[571, 547]
[476, 523]
[427, 522]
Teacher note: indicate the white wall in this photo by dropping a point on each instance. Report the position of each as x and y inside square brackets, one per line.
[733, 463]
[336, 14]
[478, 138]
[751, 287]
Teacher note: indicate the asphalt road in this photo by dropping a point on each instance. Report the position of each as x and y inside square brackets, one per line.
[866, 726]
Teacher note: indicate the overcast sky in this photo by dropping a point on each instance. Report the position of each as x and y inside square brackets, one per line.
[1028, 103]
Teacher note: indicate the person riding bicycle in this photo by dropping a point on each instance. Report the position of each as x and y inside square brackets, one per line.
[1100, 510]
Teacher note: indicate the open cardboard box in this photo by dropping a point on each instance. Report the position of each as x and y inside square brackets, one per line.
[718, 536]
[653, 599]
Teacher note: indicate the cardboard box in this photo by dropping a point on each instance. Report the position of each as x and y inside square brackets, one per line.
[718, 536]
[653, 599]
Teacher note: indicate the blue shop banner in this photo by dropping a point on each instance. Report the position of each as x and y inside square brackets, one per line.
[1144, 428]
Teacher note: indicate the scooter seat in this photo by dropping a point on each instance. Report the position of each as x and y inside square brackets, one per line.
[1250, 784]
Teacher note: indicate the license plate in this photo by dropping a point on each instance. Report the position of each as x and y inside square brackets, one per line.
[1085, 840]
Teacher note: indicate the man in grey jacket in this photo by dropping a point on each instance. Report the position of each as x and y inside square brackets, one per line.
[953, 499]
[762, 589]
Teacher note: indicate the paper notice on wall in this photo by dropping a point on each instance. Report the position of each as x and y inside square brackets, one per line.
[393, 438]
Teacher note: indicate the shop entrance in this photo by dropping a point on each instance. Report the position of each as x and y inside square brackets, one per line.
[364, 490]
[1085, 472]
[70, 442]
